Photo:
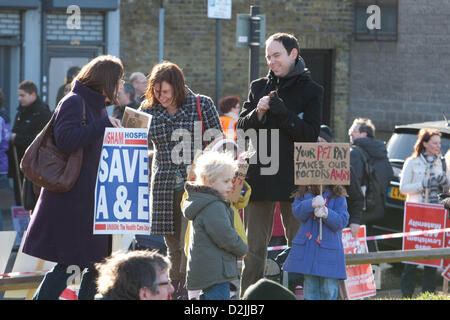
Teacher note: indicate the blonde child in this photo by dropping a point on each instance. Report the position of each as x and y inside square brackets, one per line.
[321, 261]
[214, 244]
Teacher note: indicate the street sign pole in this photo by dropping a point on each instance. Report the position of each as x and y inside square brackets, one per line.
[254, 42]
[218, 10]
[218, 60]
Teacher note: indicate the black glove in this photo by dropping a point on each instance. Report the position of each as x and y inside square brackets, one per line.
[277, 107]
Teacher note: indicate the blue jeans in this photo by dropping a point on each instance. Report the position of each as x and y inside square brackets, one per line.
[320, 288]
[219, 291]
[408, 279]
[55, 281]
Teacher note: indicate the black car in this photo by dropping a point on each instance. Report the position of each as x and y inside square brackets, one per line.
[400, 146]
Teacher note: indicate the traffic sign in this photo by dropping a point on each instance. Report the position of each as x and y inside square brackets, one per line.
[219, 9]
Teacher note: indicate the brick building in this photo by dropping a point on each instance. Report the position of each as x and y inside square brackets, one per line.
[404, 80]
[391, 75]
[323, 28]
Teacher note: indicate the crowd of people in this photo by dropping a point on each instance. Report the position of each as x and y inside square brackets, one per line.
[196, 218]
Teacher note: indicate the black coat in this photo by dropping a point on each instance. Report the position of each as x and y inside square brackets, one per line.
[376, 150]
[303, 99]
[29, 121]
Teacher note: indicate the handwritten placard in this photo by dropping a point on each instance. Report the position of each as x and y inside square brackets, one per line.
[322, 163]
[238, 181]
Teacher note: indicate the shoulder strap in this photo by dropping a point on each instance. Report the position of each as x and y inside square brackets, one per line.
[83, 121]
[444, 165]
[361, 152]
[199, 110]
[365, 162]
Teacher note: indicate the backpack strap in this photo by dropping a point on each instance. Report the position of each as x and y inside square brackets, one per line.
[365, 161]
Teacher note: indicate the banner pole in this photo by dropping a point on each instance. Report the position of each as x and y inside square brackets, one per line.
[320, 220]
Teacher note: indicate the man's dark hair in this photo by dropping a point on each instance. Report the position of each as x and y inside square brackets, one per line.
[123, 274]
[288, 40]
[365, 125]
[28, 86]
[129, 89]
[71, 73]
[227, 103]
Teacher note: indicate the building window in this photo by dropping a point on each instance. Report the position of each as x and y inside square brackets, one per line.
[376, 20]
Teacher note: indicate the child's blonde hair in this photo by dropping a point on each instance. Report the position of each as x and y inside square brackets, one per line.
[211, 164]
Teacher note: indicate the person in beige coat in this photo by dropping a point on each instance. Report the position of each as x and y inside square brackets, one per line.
[422, 179]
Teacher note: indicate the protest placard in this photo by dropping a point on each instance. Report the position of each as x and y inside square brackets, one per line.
[20, 218]
[133, 118]
[420, 217]
[446, 273]
[238, 181]
[446, 262]
[321, 163]
[360, 282]
[122, 187]
[6, 245]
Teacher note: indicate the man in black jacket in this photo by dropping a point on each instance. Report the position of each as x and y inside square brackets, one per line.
[32, 115]
[282, 108]
[362, 138]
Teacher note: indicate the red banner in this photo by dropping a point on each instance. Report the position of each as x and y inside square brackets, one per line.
[360, 282]
[447, 240]
[420, 217]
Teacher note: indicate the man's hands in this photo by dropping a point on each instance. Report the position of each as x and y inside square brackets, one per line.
[277, 106]
[262, 107]
[273, 103]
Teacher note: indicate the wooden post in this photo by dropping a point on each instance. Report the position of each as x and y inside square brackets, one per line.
[39, 267]
[320, 220]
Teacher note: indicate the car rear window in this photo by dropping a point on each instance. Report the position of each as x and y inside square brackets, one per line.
[401, 145]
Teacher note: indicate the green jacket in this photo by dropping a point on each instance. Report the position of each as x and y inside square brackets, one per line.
[214, 244]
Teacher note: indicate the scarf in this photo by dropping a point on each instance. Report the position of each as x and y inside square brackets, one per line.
[433, 191]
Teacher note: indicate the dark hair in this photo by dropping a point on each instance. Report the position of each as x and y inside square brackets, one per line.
[266, 289]
[129, 89]
[326, 133]
[173, 75]
[28, 86]
[72, 72]
[228, 103]
[123, 274]
[365, 125]
[102, 74]
[424, 135]
[289, 41]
